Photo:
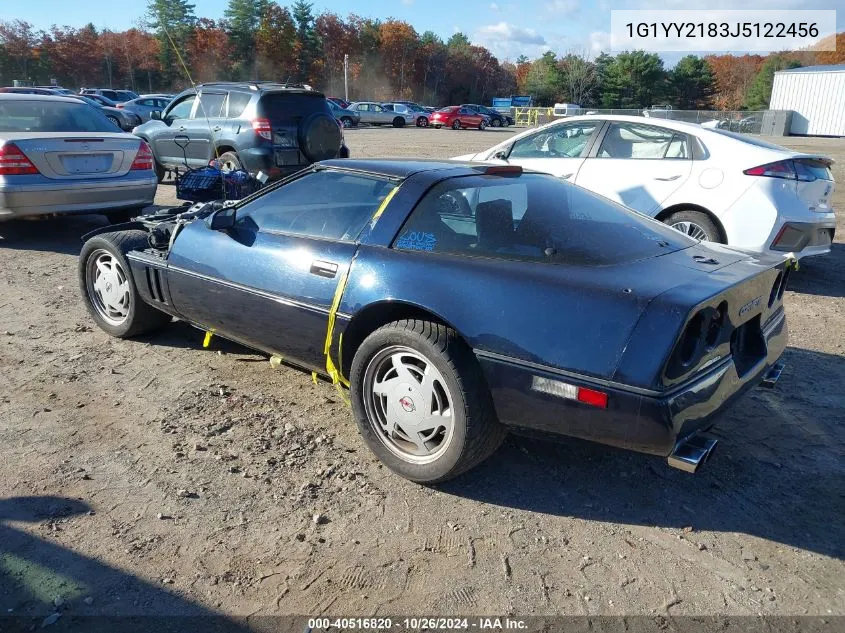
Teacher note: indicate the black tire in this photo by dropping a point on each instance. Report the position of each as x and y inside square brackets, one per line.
[482, 126]
[477, 432]
[347, 122]
[456, 124]
[161, 170]
[114, 120]
[229, 161]
[422, 122]
[124, 215]
[399, 122]
[496, 123]
[695, 219]
[141, 317]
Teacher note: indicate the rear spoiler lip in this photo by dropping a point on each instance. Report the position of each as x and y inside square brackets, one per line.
[819, 157]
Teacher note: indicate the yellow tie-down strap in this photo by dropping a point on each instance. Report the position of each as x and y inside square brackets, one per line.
[331, 369]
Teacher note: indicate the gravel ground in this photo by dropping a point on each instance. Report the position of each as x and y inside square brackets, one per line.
[156, 477]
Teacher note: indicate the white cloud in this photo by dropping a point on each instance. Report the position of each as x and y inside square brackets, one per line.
[494, 6]
[562, 6]
[599, 42]
[507, 41]
[407, 3]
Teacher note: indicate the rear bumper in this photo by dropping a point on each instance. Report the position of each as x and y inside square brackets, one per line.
[635, 419]
[805, 238]
[278, 162]
[41, 196]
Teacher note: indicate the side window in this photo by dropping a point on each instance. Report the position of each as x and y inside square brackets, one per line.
[634, 141]
[237, 104]
[111, 94]
[210, 105]
[324, 204]
[181, 109]
[560, 141]
[376, 108]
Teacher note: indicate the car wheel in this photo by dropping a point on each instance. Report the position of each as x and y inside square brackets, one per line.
[496, 123]
[347, 122]
[421, 403]
[229, 161]
[694, 224]
[398, 122]
[114, 120]
[456, 125]
[108, 288]
[161, 171]
[422, 122]
[482, 125]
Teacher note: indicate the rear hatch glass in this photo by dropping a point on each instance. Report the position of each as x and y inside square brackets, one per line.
[52, 116]
[287, 109]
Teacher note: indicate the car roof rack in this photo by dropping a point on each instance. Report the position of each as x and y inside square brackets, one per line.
[255, 85]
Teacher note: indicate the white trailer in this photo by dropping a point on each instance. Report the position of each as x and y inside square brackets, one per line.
[816, 96]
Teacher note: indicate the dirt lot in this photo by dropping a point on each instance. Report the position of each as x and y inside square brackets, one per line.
[156, 477]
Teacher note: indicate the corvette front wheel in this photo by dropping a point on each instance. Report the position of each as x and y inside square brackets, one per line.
[421, 402]
[108, 288]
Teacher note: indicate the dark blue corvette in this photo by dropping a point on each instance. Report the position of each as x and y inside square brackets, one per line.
[460, 300]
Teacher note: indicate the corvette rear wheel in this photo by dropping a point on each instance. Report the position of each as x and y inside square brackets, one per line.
[421, 403]
[108, 288]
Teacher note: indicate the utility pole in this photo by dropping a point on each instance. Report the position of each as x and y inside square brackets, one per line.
[345, 77]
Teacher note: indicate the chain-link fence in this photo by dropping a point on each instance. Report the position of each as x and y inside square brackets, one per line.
[744, 121]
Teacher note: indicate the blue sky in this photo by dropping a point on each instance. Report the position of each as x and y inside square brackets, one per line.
[507, 27]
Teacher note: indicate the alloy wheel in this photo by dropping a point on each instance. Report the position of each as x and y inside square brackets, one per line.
[408, 404]
[108, 287]
[691, 229]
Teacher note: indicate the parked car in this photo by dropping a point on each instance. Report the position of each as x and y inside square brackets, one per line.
[144, 106]
[126, 121]
[105, 101]
[117, 96]
[377, 114]
[58, 155]
[420, 115]
[495, 118]
[458, 117]
[159, 95]
[59, 90]
[29, 90]
[354, 269]
[263, 126]
[347, 118]
[711, 184]
[342, 103]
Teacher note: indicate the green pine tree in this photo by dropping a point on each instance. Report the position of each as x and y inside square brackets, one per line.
[172, 22]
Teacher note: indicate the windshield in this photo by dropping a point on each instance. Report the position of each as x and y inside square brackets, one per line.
[533, 217]
[52, 116]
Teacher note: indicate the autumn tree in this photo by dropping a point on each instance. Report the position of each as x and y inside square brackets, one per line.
[209, 51]
[545, 81]
[732, 76]
[75, 55]
[18, 40]
[835, 56]
[275, 43]
[141, 54]
[399, 43]
[337, 39]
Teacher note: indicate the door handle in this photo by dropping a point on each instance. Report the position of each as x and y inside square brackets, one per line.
[216, 128]
[668, 178]
[182, 128]
[323, 269]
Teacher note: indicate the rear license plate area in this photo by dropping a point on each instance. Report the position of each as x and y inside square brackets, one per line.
[86, 163]
[748, 347]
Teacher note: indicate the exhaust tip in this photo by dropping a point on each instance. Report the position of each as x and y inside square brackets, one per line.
[691, 453]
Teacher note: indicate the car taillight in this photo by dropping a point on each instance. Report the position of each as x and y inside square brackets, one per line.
[13, 162]
[144, 157]
[569, 392]
[119, 105]
[262, 128]
[780, 169]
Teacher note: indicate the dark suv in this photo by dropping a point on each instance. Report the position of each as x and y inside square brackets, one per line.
[270, 127]
[497, 119]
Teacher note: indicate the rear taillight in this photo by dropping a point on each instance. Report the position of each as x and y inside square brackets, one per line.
[119, 105]
[144, 157]
[13, 162]
[780, 169]
[262, 128]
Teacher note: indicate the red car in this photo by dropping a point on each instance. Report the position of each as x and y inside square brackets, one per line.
[457, 117]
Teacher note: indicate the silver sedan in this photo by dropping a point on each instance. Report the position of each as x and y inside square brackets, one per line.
[377, 114]
[58, 155]
[143, 106]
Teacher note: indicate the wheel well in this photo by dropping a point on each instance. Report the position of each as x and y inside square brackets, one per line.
[665, 213]
[372, 318]
[225, 148]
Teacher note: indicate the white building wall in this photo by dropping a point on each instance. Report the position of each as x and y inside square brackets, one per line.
[816, 98]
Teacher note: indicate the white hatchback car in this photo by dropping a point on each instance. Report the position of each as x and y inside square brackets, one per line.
[711, 184]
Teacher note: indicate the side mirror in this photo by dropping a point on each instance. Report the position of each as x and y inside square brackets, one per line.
[222, 220]
[155, 115]
[502, 154]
